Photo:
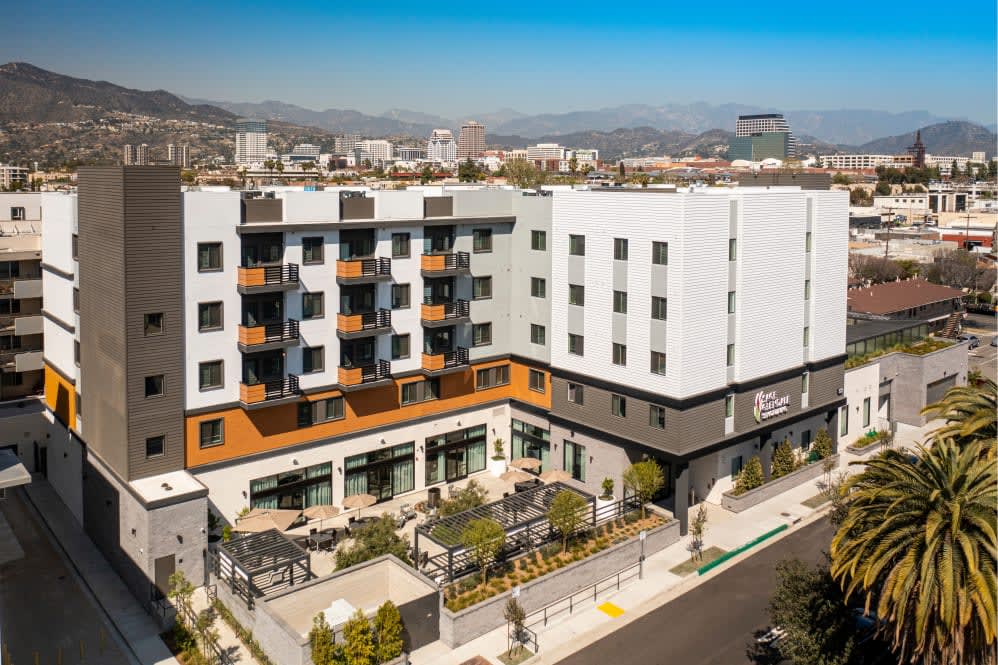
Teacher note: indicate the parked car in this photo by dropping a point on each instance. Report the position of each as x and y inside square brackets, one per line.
[973, 339]
[994, 341]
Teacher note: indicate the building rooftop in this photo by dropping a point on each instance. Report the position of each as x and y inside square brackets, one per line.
[897, 296]
[860, 329]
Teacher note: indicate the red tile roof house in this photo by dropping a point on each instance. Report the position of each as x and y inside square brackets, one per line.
[906, 299]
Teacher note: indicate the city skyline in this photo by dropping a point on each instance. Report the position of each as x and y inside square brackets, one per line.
[586, 60]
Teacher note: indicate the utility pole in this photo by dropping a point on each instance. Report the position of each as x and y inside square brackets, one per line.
[966, 237]
[887, 225]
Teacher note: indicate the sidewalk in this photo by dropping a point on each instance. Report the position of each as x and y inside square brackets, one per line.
[227, 638]
[134, 624]
[562, 637]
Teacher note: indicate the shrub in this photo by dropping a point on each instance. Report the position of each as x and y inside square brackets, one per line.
[644, 480]
[607, 486]
[633, 516]
[750, 477]
[388, 630]
[823, 444]
[374, 540]
[358, 641]
[497, 447]
[784, 461]
[471, 496]
[549, 550]
[322, 641]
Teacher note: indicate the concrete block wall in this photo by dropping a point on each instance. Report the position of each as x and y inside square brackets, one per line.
[774, 488]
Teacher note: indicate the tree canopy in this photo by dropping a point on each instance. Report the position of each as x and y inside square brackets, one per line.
[371, 541]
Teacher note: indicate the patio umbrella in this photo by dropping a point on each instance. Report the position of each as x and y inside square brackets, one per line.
[321, 512]
[516, 476]
[526, 463]
[265, 519]
[555, 476]
[359, 501]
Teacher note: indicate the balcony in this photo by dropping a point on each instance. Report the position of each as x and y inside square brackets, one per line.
[27, 324]
[440, 265]
[25, 286]
[363, 271]
[264, 279]
[269, 391]
[350, 326]
[445, 314]
[9, 358]
[439, 363]
[29, 361]
[365, 376]
[269, 336]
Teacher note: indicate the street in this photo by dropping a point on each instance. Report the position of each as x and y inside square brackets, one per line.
[712, 624]
[985, 357]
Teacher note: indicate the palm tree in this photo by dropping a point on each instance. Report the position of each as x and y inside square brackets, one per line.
[918, 543]
[969, 412]
[280, 167]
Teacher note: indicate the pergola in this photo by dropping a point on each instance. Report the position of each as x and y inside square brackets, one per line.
[261, 563]
[522, 515]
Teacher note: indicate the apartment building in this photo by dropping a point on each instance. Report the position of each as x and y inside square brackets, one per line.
[471, 140]
[251, 141]
[441, 147]
[178, 155]
[20, 295]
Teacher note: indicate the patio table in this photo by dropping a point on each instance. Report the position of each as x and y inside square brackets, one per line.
[322, 540]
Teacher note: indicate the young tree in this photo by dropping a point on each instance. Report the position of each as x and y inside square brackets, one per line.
[470, 496]
[468, 171]
[566, 514]
[644, 480]
[522, 173]
[388, 632]
[484, 538]
[322, 641]
[822, 444]
[783, 459]
[573, 165]
[204, 628]
[621, 171]
[426, 175]
[750, 477]
[373, 540]
[698, 527]
[883, 188]
[180, 592]
[515, 615]
[358, 642]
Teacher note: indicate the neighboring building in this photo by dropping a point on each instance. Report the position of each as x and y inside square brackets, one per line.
[765, 124]
[471, 141]
[910, 299]
[142, 155]
[20, 295]
[761, 146]
[545, 152]
[945, 163]
[129, 155]
[345, 145]
[410, 154]
[377, 151]
[855, 162]
[12, 176]
[251, 141]
[978, 157]
[179, 155]
[902, 202]
[441, 146]
[303, 152]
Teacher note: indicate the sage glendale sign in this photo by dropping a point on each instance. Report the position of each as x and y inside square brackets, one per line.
[769, 405]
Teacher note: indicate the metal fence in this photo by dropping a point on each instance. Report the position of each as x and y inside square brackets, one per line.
[592, 592]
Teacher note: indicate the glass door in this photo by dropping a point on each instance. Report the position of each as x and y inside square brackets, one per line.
[457, 465]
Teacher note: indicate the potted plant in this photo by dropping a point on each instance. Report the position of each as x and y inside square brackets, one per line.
[606, 500]
[497, 465]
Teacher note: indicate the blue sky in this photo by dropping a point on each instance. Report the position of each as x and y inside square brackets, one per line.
[457, 58]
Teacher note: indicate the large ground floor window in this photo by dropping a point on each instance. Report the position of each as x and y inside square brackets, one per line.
[575, 460]
[294, 490]
[455, 455]
[531, 441]
[382, 473]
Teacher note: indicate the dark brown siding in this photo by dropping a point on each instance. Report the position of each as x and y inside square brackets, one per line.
[357, 207]
[438, 206]
[257, 211]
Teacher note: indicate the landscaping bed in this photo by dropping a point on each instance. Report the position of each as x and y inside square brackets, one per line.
[547, 559]
[689, 567]
[920, 348]
[868, 442]
[736, 503]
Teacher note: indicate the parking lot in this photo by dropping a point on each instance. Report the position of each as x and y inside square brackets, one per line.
[985, 357]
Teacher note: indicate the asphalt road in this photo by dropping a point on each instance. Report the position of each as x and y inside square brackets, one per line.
[985, 357]
[712, 624]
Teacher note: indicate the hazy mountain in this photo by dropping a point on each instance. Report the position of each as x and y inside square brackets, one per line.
[631, 142]
[945, 138]
[417, 118]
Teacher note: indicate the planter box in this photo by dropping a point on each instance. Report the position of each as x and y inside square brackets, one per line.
[773, 488]
[457, 628]
[497, 467]
[869, 448]
[607, 509]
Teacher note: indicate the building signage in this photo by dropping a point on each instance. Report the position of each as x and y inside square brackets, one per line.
[769, 405]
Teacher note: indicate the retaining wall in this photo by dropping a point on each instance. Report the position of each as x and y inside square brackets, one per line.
[773, 488]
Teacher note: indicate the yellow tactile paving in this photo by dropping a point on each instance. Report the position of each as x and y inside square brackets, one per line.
[610, 609]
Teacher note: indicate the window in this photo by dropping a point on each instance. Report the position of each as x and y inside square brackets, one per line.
[805, 382]
[537, 335]
[577, 245]
[420, 391]
[731, 355]
[843, 420]
[11, 379]
[400, 245]
[482, 240]
[619, 354]
[400, 346]
[212, 433]
[311, 306]
[575, 394]
[152, 324]
[400, 296]
[76, 352]
[155, 446]
[657, 362]
[320, 411]
[866, 412]
[481, 334]
[576, 344]
[538, 287]
[620, 249]
[209, 316]
[732, 249]
[807, 289]
[209, 256]
[76, 300]
[539, 240]
[17, 214]
[76, 247]
[805, 440]
[313, 359]
[736, 466]
[620, 302]
[492, 377]
[10, 306]
[311, 250]
[731, 302]
[155, 385]
[618, 406]
[729, 406]
[536, 380]
[575, 460]
[210, 375]
[656, 416]
[576, 295]
[660, 253]
[807, 336]
[808, 239]
[481, 288]
[659, 308]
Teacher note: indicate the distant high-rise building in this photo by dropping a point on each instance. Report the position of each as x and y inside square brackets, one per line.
[129, 155]
[441, 146]
[251, 141]
[410, 154]
[378, 151]
[142, 155]
[471, 140]
[770, 137]
[179, 155]
[545, 152]
[917, 151]
[344, 145]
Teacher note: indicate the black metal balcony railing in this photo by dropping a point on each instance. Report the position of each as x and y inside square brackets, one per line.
[457, 261]
[455, 358]
[268, 275]
[286, 331]
[375, 267]
[451, 310]
[351, 323]
[379, 371]
[281, 388]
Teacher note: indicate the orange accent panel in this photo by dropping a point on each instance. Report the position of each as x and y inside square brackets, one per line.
[252, 394]
[434, 362]
[350, 322]
[433, 262]
[349, 269]
[250, 335]
[350, 376]
[248, 432]
[433, 312]
[60, 396]
[251, 277]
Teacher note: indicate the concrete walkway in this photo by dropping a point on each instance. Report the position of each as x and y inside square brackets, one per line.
[567, 634]
[227, 638]
[135, 626]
